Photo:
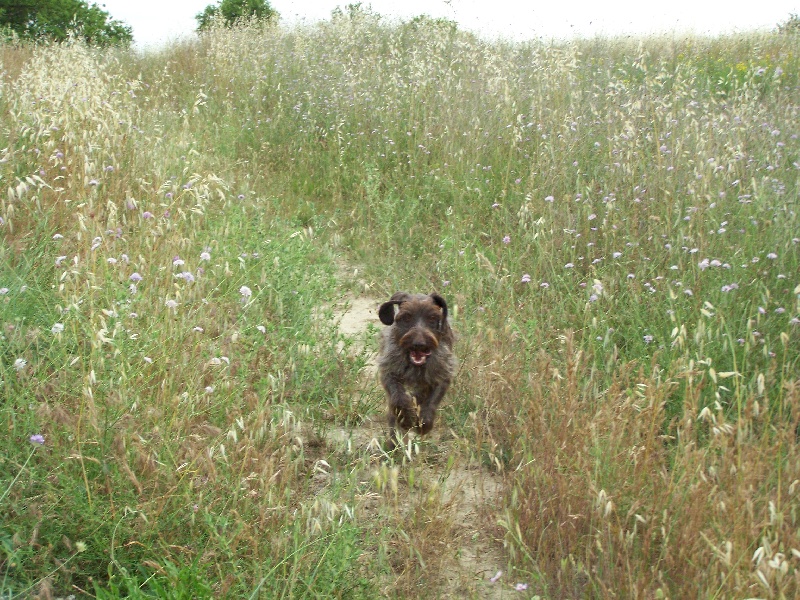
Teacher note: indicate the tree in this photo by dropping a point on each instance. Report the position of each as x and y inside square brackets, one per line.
[232, 11]
[58, 19]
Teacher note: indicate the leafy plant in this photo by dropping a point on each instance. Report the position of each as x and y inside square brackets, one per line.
[233, 11]
[59, 19]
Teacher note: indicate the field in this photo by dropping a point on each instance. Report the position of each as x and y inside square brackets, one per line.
[194, 243]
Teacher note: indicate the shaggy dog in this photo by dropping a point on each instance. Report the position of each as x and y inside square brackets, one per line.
[416, 362]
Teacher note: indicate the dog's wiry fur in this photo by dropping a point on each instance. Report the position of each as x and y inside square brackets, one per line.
[416, 362]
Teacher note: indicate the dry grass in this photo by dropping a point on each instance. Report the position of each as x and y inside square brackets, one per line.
[603, 496]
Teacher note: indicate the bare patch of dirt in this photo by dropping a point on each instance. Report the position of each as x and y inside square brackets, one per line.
[474, 493]
[352, 315]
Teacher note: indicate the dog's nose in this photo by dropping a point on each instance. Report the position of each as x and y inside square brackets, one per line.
[420, 341]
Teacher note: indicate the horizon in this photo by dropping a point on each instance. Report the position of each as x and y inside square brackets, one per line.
[577, 20]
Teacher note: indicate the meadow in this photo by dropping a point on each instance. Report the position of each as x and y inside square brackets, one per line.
[614, 223]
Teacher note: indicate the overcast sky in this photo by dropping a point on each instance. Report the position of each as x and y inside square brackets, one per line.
[156, 22]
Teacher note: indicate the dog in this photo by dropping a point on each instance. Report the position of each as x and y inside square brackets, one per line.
[416, 363]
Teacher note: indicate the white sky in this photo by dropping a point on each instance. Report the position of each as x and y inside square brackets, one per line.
[156, 22]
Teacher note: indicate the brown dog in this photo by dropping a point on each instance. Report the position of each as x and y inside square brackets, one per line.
[416, 362]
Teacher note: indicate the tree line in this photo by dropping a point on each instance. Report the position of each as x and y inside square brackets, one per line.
[58, 20]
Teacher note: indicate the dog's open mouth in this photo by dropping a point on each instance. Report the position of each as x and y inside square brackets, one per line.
[418, 357]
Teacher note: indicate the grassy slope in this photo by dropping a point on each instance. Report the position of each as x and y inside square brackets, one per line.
[637, 390]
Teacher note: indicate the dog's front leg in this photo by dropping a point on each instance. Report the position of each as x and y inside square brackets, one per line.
[402, 409]
[427, 410]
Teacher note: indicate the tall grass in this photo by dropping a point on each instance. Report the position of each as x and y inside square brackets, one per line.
[613, 222]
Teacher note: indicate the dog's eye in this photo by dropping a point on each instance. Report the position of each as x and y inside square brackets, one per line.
[402, 317]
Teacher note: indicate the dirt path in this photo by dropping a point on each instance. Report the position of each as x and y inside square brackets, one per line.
[354, 314]
[467, 495]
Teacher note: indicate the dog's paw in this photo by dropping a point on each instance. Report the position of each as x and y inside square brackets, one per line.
[407, 418]
[426, 419]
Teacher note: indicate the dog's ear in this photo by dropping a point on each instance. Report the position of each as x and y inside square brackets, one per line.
[439, 301]
[386, 311]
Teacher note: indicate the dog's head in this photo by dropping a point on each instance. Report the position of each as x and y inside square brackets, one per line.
[419, 323]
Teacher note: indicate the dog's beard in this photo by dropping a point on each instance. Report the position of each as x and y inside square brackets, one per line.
[419, 357]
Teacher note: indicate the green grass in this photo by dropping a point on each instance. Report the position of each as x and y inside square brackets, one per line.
[613, 223]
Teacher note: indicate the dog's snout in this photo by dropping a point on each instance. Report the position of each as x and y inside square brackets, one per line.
[419, 338]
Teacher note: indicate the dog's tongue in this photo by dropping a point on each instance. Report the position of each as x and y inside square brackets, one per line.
[418, 357]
